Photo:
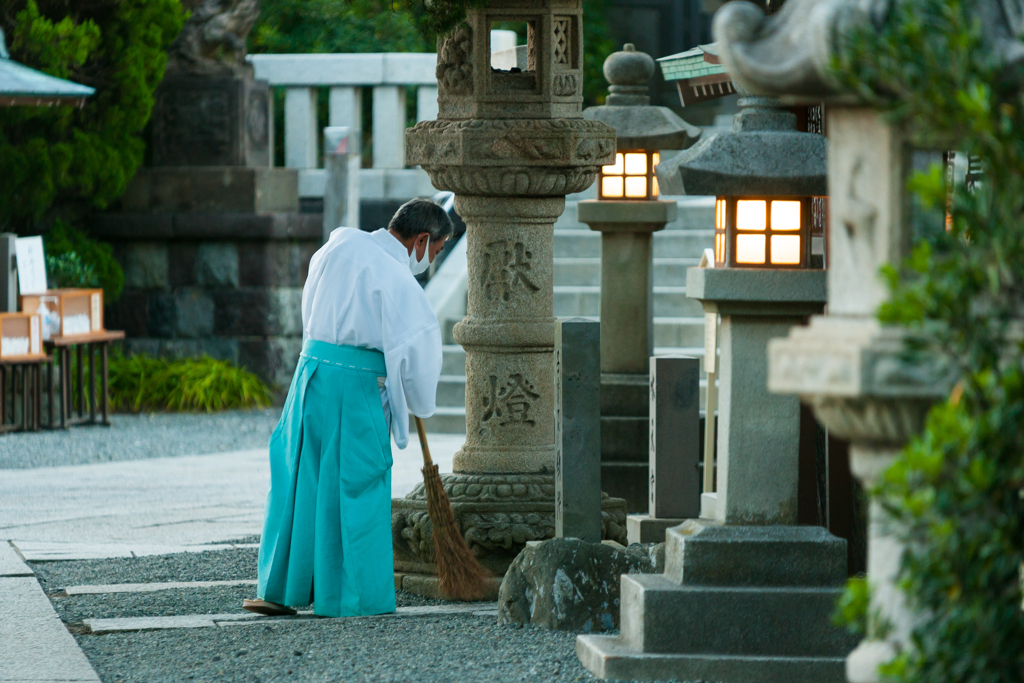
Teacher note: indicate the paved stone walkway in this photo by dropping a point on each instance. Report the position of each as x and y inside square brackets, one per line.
[131, 508]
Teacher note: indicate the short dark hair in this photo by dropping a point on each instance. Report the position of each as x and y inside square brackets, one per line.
[421, 215]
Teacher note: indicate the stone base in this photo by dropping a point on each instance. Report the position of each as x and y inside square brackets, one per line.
[647, 529]
[735, 604]
[224, 284]
[497, 513]
[427, 586]
[609, 658]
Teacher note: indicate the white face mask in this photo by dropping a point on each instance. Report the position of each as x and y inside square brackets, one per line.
[418, 266]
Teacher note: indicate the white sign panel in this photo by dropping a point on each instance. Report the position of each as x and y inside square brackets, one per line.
[31, 264]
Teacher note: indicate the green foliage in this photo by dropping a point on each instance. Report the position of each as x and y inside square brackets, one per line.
[143, 383]
[336, 26]
[67, 245]
[957, 489]
[307, 26]
[68, 270]
[64, 160]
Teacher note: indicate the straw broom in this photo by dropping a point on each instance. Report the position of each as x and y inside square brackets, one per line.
[458, 572]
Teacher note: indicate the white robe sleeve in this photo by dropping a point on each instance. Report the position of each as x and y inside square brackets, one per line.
[414, 368]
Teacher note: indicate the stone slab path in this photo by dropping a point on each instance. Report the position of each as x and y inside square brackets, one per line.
[99, 626]
[35, 645]
[157, 506]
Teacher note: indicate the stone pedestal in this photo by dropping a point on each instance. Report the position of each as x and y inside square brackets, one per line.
[627, 337]
[758, 432]
[735, 604]
[510, 145]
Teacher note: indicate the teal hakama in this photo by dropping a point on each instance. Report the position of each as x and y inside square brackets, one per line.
[327, 532]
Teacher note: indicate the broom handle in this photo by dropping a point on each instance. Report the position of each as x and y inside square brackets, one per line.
[422, 431]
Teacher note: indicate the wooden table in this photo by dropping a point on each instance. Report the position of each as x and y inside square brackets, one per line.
[74, 401]
[31, 384]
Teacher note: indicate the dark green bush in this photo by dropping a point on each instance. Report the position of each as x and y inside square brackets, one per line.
[63, 161]
[142, 383]
[957, 489]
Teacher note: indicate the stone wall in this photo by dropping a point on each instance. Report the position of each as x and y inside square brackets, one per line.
[227, 284]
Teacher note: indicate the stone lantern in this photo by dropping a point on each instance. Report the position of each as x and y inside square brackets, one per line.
[510, 145]
[764, 174]
[627, 212]
[747, 595]
[850, 369]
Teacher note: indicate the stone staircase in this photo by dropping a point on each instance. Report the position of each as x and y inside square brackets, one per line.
[678, 320]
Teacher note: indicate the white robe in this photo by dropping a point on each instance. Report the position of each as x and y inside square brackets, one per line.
[360, 292]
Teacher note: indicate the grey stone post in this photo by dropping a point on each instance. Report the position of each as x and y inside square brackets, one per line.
[341, 189]
[674, 450]
[578, 429]
[675, 437]
[9, 279]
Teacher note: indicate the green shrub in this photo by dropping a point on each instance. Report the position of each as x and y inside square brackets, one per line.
[144, 383]
[956, 491]
[80, 261]
[64, 161]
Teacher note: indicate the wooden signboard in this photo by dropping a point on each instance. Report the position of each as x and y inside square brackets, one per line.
[21, 337]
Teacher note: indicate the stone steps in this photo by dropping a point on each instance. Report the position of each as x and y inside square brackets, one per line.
[678, 321]
[575, 243]
[668, 272]
[585, 300]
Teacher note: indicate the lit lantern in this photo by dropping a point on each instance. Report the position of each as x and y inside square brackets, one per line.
[770, 181]
[763, 232]
[640, 128]
[630, 177]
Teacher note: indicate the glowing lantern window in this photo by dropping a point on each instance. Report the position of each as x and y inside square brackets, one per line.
[754, 232]
[631, 177]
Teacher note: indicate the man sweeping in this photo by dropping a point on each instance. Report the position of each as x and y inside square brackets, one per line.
[371, 354]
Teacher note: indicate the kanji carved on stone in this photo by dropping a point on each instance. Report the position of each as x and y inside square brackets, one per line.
[507, 268]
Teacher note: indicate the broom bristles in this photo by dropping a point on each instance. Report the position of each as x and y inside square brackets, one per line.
[459, 574]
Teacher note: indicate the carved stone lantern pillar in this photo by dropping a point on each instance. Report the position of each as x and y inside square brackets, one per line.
[510, 145]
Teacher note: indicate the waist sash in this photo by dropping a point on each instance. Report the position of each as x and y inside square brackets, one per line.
[352, 357]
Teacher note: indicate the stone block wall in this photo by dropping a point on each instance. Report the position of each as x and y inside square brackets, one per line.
[227, 285]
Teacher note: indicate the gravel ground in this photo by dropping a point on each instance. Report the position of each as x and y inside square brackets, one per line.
[451, 648]
[137, 437]
[462, 648]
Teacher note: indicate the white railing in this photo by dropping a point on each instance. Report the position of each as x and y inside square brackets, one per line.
[346, 75]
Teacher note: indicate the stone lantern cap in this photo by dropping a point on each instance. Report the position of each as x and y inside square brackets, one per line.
[637, 124]
[764, 155]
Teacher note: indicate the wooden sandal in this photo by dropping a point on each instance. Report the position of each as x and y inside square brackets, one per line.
[268, 609]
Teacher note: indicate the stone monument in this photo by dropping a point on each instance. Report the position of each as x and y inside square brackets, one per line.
[627, 224]
[209, 235]
[510, 145]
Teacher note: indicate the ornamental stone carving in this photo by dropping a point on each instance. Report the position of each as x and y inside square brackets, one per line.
[497, 514]
[790, 53]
